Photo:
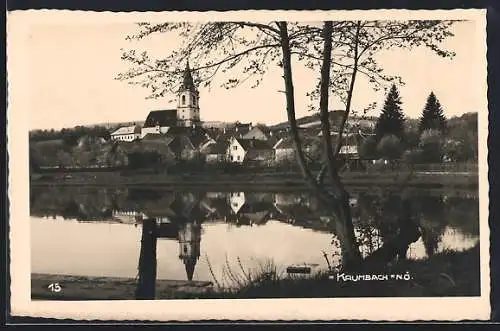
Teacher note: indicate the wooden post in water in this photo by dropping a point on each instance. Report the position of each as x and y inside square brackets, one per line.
[146, 286]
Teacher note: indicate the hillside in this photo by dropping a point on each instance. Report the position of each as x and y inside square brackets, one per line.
[313, 120]
[118, 124]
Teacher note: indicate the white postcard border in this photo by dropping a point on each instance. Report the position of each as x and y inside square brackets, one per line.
[375, 309]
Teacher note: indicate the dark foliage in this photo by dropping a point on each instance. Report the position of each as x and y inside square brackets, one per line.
[70, 136]
[391, 120]
[432, 116]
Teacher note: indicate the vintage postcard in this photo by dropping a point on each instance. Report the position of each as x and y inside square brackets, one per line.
[253, 165]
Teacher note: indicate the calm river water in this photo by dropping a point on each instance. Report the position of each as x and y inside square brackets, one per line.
[97, 231]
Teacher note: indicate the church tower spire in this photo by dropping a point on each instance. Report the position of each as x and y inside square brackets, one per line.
[189, 246]
[187, 82]
[188, 111]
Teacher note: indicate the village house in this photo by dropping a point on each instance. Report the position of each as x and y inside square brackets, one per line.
[127, 133]
[284, 149]
[215, 152]
[351, 141]
[159, 144]
[188, 142]
[183, 147]
[183, 143]
[258, 132]
[248, 209]
[249, 151]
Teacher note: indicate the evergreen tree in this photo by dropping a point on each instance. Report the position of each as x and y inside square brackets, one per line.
[432, 116]
[391, 120]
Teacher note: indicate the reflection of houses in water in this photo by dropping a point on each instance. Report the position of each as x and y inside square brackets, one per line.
[301, 210]
[249, 208]
[236, 201]
[127, 216]
[291, 199]
[217, 207]
[215, 195]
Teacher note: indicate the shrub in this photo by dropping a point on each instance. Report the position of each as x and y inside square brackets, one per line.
[431, 143]
[390, 147]
[412, 156]
[368, 149]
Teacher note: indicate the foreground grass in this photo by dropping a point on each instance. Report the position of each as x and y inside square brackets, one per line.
[445, 274]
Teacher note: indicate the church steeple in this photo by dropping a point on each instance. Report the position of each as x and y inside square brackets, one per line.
[190, 264]
[187, 82]
[188, 111]
[189, 236]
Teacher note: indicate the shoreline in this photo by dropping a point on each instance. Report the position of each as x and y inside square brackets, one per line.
[446, 274]
[109, 288]
[266, 181]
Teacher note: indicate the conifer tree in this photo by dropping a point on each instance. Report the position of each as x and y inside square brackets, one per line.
[432, 116]
[391, 120]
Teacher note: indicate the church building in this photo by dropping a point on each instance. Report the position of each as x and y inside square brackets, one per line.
[187, 113]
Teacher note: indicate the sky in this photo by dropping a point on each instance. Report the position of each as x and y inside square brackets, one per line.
[72, 69]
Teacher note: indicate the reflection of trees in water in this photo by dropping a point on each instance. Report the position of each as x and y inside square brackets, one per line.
[431, 213]
[378, 217]
[381, 219]
[463, 214]
[380, 211]
[83, 204]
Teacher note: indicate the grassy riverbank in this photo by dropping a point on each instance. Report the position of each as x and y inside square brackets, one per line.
[110, 288]
[444, 274]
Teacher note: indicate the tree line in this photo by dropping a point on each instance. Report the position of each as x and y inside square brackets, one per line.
[70, 136]
[432, 140]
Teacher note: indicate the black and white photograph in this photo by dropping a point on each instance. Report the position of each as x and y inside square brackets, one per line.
[249, 165]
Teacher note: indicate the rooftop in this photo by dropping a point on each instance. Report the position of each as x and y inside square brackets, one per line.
[166, 117]
[127, 130]
[253, 144]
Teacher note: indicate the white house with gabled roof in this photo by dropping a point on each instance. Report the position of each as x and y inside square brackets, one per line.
[127, 133]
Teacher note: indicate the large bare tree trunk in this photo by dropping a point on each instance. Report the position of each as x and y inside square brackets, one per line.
[351, 257]
[338, 204]
[290, 107]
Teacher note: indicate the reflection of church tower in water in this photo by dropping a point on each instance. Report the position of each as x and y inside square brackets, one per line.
[189, 245]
